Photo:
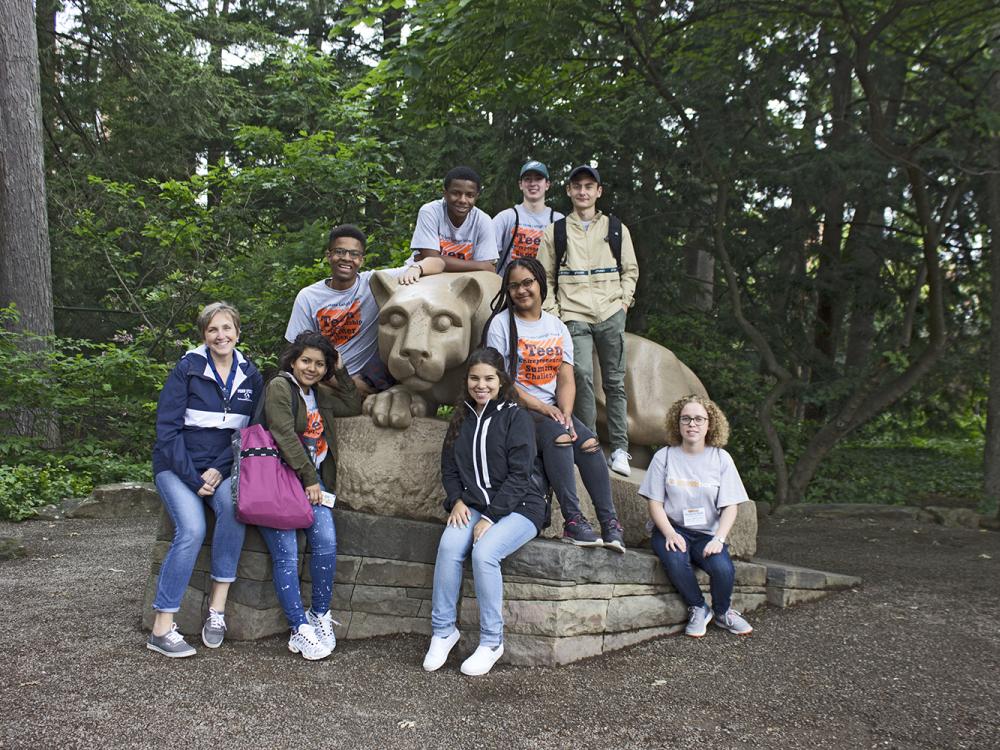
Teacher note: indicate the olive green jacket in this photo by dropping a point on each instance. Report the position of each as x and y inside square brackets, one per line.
[337, 398]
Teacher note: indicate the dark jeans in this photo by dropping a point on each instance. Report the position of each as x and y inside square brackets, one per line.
[558, 461]
[678, 566]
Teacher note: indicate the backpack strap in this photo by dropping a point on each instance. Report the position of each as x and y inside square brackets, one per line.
[559, 241]
[615, 239]
[502, 260]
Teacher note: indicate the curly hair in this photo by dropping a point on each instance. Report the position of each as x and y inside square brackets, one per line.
[718, 426]
[481, 356]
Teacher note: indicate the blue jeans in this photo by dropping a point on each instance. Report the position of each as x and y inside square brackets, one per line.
[187, 510]
[721, 573]
[283, 546]
[503, 538]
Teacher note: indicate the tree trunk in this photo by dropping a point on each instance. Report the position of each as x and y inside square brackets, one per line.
[990, 208]
[25, 268]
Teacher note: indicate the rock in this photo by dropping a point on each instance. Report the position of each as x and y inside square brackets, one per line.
[543, 651]
[370, 625]
[245, 623]
[118, 500]
[636, 612]
[954, 518]
[379, 572]
[384, 600]
[855, 510]
[787, 597]
[11, 548]
[783, 575]
[615, 641]
[989, 522]
[57, 511]
[365, 535]
[550, 618]
[391, 472]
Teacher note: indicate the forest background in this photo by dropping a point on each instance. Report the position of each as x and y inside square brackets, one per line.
[812, 189]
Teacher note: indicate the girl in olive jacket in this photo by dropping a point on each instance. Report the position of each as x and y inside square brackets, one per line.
[300, 405]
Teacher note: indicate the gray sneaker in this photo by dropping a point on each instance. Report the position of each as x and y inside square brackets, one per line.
[214, 629]
[170, 644]
[698, 619]
[613, 535]
[577, 530]
[733, 622]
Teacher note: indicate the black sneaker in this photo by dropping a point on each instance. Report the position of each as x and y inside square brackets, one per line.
[613, 535]
[577, 530]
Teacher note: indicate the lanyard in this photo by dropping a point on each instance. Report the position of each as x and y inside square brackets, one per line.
[227, 387]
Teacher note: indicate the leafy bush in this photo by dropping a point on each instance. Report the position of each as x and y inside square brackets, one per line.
[24, 488]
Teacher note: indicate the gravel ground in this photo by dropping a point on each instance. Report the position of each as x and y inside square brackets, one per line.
[910, 660]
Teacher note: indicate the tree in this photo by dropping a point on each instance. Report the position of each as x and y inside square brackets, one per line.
[25, 269]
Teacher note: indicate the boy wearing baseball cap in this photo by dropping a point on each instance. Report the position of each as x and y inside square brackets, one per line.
[519, 229]
[591, 272]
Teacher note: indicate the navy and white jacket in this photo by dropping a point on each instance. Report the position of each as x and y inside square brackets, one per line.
[194, 422]
[489, 467]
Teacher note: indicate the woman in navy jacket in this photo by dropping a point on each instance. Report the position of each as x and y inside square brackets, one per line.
[495, 506]
[211, 392]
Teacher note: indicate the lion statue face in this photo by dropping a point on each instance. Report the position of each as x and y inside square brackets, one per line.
[429, 328]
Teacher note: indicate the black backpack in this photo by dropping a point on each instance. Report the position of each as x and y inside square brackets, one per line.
[614, 239]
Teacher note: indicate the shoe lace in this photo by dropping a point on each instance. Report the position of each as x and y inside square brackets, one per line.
[614, 525]
[621, 452]
[173, 636]
[308, 634]
[216, 620]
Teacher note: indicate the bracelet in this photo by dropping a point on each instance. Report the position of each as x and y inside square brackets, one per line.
[421, 270]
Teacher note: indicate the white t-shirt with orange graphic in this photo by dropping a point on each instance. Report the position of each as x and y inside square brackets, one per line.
[474, 240]
[542, 345]
[348, 318]
[528, 236]
[313, 439]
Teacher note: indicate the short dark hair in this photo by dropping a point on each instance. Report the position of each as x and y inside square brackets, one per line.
[347, 230]
[463, 173]
[309, 340]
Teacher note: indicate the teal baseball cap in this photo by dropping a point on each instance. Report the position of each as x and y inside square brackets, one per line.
[534, 166]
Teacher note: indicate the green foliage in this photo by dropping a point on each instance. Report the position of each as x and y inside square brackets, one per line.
[921, 472]
[24, 487]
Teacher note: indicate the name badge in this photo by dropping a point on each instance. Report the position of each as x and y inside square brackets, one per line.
[694, 517]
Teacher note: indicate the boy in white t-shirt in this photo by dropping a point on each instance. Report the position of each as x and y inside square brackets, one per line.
[344, 310]
[693, 489]
[454, 229]
[538, 353]
[519, 229]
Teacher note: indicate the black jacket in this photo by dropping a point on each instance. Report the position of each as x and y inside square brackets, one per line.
[505, 434]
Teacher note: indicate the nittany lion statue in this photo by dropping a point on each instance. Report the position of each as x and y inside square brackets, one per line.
[427, 330]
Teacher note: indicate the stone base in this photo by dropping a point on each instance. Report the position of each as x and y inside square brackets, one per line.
[790, 584]
[561, 603]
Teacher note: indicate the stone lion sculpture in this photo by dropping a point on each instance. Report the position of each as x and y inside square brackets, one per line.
[427, 330]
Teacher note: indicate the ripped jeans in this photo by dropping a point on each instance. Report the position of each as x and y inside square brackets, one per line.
[558, 460]
[321, 538]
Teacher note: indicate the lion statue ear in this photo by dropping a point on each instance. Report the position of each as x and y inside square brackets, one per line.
[382, 286]
[466, 287]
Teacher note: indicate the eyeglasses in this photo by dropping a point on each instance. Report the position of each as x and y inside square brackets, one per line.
[340, 252]
[525, 284]
[699, 420]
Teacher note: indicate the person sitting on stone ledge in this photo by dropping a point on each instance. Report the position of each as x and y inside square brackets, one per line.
[212, 391]
[693, 489]
[312, 372]
[344, 310]
[494, 502]
[538, 352]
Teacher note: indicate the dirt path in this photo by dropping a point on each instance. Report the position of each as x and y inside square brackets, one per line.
[911, 660]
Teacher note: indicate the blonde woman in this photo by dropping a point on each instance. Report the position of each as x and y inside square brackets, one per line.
[693, 489]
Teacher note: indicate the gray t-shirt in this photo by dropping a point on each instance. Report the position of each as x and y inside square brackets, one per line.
[543, 345]
[693, 487]
[474, 240]
[348, 318]
[528, 237]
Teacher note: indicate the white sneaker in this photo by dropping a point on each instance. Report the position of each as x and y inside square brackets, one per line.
[323, 625]
[305, 641]
[733, 622]
[619, 462]
[482, 660]
[437, 653]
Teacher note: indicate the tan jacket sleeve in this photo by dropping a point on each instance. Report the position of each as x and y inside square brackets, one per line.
[630, 268]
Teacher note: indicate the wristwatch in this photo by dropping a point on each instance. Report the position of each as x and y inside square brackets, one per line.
[720, 539]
